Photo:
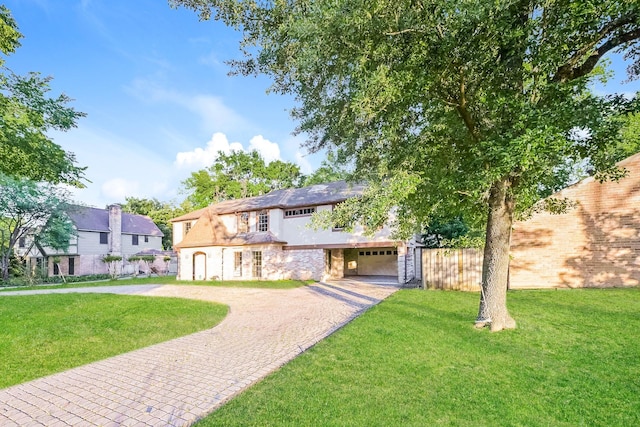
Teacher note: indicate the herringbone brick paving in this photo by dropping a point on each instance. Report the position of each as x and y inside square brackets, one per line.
[177, 382]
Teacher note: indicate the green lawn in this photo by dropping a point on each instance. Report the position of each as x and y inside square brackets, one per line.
[171, 280]
[44, 334]
[416, 360]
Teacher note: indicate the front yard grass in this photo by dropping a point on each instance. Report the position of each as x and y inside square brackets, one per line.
[171, 280]
[45, 334]
[416, 360]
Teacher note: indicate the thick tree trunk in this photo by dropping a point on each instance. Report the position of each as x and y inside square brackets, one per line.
[495, 267]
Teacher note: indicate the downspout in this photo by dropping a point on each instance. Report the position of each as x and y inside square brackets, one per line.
[406, 253]
[222, 265]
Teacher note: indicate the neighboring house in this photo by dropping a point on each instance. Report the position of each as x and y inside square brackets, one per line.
[100, 232]
[596, 243]
[268, 237]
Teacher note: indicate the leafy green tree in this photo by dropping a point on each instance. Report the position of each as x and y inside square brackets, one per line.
[237, 175]
[27, 115]
[442, 233]
[331, 169]
[447, 108]
[29, 208]
[160, 213]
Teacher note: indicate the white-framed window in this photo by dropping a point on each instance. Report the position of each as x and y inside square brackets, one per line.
[243, 222]
[257, 263]
[187, 228]
[263, 221]
[299, 212]
[237, 264]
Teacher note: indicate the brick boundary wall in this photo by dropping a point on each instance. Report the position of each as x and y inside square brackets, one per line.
[594, 244]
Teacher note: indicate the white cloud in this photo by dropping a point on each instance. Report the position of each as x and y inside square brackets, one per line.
[211, 60]
[212, 111]
[204, 157]
[200, 158]
[269, 151]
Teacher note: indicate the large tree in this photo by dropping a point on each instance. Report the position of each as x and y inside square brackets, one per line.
[237, 175]
[27, 115]
[450, 108]
[31, 209]
[331, 169]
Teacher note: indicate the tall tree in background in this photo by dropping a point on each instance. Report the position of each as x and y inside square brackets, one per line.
[449, 108]
[237, 175]
[160, 213]
[28, 208]
[27, 114]
[331, 169]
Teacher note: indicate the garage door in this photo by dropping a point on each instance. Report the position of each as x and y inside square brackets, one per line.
[378, 262]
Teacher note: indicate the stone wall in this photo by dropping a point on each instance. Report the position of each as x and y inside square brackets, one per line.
[304, 264]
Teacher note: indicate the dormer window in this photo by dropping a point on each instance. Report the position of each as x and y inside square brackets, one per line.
[243, 222]
[263, 221]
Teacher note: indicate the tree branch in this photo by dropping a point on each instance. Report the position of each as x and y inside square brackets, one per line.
[464, 112]
[571, 70]
[397, 33]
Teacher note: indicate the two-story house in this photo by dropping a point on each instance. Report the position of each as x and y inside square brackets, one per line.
[100, 232]
[268, 237]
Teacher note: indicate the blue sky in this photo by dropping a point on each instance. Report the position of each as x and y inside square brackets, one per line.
[157, 94]
[156, 91]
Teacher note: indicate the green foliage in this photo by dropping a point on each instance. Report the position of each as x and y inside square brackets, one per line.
[331, 169]
[27, 116]
[482, 107]
[9, 34]
[29, 208]
[457, 96]
[442, 233]
[45, 334]
[238, 175]
[58, 231]
[573, 361]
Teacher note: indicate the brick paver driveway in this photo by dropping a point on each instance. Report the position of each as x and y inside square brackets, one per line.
[177, 382]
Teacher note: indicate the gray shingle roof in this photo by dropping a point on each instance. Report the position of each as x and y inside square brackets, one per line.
[94, 219]
[314, 195]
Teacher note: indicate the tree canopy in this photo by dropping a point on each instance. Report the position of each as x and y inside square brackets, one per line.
[27, 115]
[31, 209]
[465, 108]
[237, 175]
[331, 169]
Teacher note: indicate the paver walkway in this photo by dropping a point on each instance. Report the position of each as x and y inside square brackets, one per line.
[180, 381]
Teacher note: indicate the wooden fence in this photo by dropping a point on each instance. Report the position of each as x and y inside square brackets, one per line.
[452, 269]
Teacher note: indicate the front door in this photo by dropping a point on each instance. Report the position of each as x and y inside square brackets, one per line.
[199, 266]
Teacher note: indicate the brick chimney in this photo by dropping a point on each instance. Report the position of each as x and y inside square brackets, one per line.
[115, 226]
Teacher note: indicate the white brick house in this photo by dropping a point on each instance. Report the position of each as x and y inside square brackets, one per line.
[267, 237]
